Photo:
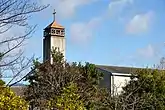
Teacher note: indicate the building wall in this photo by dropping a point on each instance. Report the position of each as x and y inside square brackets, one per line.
[46, 48]
[113, 83]
[117, 82]
[105, 83]
[50, 42]
[58, 42]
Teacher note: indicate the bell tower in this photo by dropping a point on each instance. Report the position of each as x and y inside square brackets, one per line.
[54, 37]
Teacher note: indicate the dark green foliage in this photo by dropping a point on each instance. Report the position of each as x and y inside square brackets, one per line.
[145, 92]
[47, 80]
[2, 82]
[1, 55]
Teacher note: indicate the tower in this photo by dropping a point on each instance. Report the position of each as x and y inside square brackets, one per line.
[54, 37]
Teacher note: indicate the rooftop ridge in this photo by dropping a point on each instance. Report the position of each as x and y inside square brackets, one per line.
[54, 24]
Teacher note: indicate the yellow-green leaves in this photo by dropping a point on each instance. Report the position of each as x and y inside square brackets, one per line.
[9, 101]
[68, 100]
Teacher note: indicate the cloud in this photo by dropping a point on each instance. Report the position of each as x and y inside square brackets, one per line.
[117, 6]
[139, 23]
[146, 56]
[7, 36]
[67, 8]
[147, 52]
[82, 31]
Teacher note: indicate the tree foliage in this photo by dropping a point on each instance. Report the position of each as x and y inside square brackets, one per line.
[9, 101]
[48, 80]
[68, 100]
[146, 91]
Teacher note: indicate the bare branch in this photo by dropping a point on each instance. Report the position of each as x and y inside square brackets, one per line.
[15, 13]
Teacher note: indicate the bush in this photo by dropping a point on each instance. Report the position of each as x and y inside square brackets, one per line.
[68, 100]
[9, 100]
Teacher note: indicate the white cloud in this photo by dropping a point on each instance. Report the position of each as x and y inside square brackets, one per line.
[13, 32]
[67, 8]
[117, 6]
[147, 52]
[82, 32]
[7, 35]
[147, 55]
[139, 23]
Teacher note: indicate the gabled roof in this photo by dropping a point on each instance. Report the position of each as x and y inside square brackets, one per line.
[118, 69]
[54, 24]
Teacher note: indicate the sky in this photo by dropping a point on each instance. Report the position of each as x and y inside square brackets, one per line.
[105, 32]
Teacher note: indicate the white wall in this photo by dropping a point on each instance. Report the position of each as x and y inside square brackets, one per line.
[58, 42]
[117, 82]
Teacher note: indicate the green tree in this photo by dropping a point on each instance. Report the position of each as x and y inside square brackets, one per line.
[9, 101]
[48, 80]
[146, 91]
[68, 100]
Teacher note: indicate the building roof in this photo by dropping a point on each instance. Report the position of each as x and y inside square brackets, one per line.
[118, 69]
[54, 24]
[18, 90]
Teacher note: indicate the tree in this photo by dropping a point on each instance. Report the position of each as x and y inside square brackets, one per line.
[161, 64]
[14, 15]
[68, 100]
[9, 101]
[146, 91]
[48, 80]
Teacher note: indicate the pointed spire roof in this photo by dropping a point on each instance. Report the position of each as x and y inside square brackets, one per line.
[54, 24]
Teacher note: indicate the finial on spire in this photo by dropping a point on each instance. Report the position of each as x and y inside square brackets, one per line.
[54, 14]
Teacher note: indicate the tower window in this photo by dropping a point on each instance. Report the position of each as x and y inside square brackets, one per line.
[58, 32]
[53, 31]
[62, 32]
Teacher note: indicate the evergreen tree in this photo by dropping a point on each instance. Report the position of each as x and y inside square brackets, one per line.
[49, 79]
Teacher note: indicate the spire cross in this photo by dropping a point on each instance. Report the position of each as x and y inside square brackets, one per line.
[54, 14]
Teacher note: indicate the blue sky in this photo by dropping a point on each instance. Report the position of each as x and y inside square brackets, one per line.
[108, 32]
